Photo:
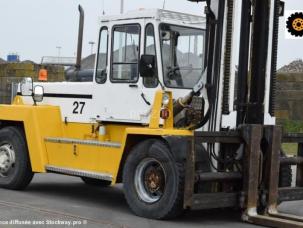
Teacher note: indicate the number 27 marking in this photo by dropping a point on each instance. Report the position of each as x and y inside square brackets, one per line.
[78, 107]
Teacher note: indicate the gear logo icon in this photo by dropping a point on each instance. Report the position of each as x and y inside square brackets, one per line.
[294, 24]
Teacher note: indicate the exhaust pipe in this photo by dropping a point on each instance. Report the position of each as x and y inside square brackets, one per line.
[80, 39]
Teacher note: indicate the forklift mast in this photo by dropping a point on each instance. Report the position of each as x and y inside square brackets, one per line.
[247, 114]
[249, 66]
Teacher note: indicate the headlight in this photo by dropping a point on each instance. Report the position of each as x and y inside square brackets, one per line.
[165, 99]
[38, 94]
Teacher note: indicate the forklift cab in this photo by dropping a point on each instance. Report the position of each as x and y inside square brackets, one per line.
[120, 90]
[170, 44]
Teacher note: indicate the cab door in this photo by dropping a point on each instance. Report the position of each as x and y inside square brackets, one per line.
[120, 97]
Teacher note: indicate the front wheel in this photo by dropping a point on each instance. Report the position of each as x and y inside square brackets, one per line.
[153, 181]
[15, 168]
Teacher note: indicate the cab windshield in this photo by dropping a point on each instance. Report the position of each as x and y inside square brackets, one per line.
[182, 55]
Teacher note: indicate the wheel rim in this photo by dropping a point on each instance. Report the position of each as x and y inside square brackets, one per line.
[7, 159]
[298, 24]
[150, 180]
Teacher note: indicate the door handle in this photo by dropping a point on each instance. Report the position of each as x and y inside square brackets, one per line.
[133, 85]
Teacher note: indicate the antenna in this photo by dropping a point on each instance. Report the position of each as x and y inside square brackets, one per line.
[164, 1]
[122, 7]
[103, 12]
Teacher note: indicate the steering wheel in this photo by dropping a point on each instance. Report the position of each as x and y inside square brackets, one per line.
[173, 72]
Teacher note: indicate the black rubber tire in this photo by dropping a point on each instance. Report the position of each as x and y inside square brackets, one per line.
[170, 205]
[21, 174]
[95, 182]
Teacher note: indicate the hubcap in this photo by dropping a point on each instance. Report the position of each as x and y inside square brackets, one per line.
[150, 180]
[298, 24]
[7, 159]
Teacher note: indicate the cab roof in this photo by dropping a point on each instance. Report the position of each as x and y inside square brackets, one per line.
[157, 14]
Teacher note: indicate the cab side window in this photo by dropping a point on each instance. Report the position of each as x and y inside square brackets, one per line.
[101, 71]
[150, 49]
[125, 53]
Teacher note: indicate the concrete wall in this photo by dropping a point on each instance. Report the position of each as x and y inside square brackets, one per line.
[289, 96]
[289, 86]
[55, 73]
[14, 72]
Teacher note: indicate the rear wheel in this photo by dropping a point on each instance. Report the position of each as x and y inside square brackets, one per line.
[153, 181]
[95, 182]
[15, 167]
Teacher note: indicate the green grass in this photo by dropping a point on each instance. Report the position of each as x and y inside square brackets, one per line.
[292, 126]
[290, 148]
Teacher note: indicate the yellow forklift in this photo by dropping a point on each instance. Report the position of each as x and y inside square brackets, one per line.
[168, 114]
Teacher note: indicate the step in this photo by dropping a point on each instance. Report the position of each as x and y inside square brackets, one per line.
[78, 172]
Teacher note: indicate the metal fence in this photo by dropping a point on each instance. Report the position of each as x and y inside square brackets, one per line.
[8, 89]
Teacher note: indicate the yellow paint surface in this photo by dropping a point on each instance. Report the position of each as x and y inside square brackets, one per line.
[41, 122]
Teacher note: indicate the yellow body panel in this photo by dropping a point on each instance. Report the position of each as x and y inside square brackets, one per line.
[84, 157]
[44, 122]
[99, 159]
[155, 119]
[39, 122]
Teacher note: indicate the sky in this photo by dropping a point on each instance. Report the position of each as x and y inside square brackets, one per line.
[35, 28]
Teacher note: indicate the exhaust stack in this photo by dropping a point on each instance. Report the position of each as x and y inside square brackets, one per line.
[80, 39]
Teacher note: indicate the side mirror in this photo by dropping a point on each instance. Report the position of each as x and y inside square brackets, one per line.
[26, 87]
[147, 66]
[38, 94]
[281, 8]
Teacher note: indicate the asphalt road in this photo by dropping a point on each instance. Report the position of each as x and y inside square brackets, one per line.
[53, 199]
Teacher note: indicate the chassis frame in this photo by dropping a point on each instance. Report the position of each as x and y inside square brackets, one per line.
[259, 205]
